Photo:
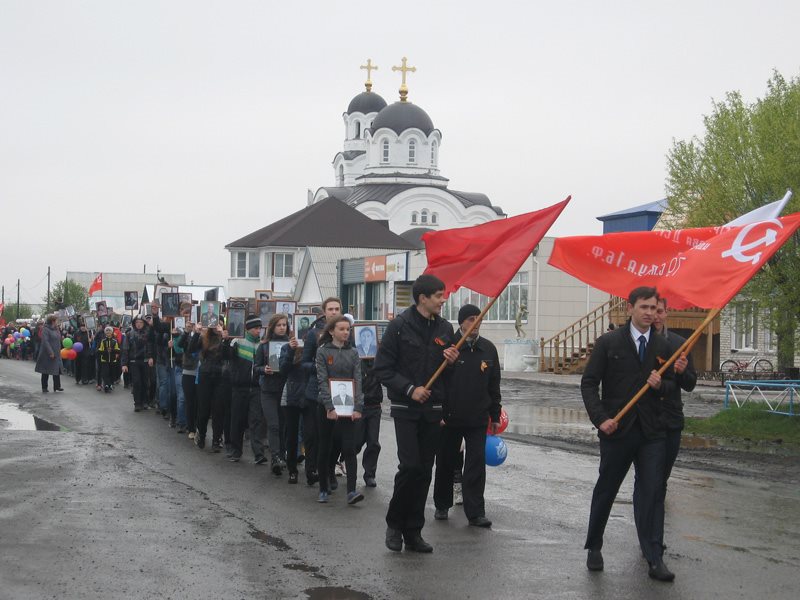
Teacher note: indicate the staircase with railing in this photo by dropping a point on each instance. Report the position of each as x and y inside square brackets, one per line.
[569, 349]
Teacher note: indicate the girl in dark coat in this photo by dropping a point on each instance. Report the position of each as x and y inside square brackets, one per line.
[210, 389]
[298, 407]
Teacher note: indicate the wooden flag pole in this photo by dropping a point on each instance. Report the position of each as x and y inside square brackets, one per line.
[685, 347]
[461, 341]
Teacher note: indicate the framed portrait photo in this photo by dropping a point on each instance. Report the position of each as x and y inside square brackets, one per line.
[236, 321]
[274, 353]
[209, 313]
[90, 323]
[101, 308]
[70, 311]
[170, 304]
[301, 324]
[343, 396]
[287, 307]
[366, 340]
[179, 323]
[185, 297]
[265, 309]
[263, 294]
[126, 321]
[131, 300]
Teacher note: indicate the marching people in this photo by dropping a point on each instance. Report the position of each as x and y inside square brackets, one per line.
[337, 359]
[671, 417]
[472, 402]
[272, 382]
[210, 392]
[48, 363]
[622, 361]
[83, 359]
[246, 393]
[137, 356]
[368, 428]
[109, 352]
[414, 345]
[189, 375]
[298, 410]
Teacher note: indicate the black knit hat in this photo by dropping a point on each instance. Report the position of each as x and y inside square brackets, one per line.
[467, 311]
[252, 321]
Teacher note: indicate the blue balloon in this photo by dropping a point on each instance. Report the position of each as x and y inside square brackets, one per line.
[496, 450]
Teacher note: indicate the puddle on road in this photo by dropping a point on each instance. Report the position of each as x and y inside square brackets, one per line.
[335, 593]
[14, 418]
[550, 421]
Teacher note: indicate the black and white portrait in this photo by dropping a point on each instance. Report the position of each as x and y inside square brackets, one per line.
[274, 354]
[301, 325]
[170, 304]
[236, 319]
[286, 307]
[342, 396]
[263, 294]
[101, 308]
[266, 308]
[131, 300]
[366, 340]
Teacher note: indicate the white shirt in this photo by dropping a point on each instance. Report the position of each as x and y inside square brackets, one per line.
[635, 334]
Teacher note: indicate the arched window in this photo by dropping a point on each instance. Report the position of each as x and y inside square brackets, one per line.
[385, 157]
[434, 218]
[341, 175]
[412, 151]
[414, 217]
[424, 216]
[433, 153]
[358, 130]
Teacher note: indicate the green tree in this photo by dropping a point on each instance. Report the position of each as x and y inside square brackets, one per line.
[10, 312]
[70, 293]
[748, 155]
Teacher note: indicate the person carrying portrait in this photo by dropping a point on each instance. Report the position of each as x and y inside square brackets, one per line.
[472, 402]
[137, 356]
[622, 361]
[213, 385]
[414, 345]
[337, 359]
[162, 336]
[189, 375]
[368, 428]
[109, 352]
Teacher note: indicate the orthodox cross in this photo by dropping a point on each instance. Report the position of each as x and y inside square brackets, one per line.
[403, 87]
[369, 68]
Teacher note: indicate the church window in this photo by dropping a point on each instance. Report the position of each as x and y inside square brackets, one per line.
[434, 145]
[414, 217]
[412, 151]
[385, 157]
[358, 130]
[434, 218]
[341, 175]
[424, 216]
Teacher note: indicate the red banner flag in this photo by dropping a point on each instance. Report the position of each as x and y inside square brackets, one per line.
[97, 284]
[485, 257]
[703, 267]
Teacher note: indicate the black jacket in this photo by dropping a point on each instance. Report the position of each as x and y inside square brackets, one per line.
[373, 390]
[242, 370]
[411, 351]
[614, 365]
[214, 361]
[291, 368]
[161, 336]
[272, 384]
[473, 392]
[137, 347]
[309, 362]
[672, 408]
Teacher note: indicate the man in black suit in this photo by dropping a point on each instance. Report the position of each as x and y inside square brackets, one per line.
[621, 362]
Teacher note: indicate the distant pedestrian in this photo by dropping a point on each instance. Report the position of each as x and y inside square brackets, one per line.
[48, 363]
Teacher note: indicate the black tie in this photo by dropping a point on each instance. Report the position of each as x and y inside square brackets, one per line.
[642, 348]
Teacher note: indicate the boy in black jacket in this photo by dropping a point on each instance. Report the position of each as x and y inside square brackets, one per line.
[369, 426]
[414, 345]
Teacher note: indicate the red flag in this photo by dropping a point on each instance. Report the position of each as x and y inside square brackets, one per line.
[703, 267]
[97, 284]
[485, 257]
[2, 307]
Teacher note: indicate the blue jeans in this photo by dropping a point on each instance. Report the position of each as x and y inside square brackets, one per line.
[178, 410]
[166, 387]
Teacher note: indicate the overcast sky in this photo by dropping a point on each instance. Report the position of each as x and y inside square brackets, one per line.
[155, 132]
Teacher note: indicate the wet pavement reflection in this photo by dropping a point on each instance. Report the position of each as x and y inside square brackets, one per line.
[13, 418]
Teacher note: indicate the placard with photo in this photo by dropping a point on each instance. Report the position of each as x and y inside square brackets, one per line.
[301, 324]
[185, 297]
[366, 340]
[236, 321]
[263, 294]
[89, 322]
[209, 313]
[265, 310]
[126, 321]
[342, 396]
[170, 304]
[131, 300]
[101, 308]
[287, 307]
[274, 354]
[179, 323]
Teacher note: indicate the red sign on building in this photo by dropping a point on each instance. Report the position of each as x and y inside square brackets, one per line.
[375, 268]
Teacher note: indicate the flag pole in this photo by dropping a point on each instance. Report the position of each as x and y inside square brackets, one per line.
[685, 347]
[460, 342]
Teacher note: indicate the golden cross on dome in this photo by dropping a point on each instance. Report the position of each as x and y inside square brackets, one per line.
[403, 87]
[369, 68]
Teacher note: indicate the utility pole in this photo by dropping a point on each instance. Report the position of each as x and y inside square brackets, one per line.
[17, 298]
[47, 308]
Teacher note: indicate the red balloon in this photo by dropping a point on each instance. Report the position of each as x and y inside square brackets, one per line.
[503, 422]
[71, 354]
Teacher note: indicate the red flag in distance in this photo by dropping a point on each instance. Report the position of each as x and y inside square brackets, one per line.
[97, 284]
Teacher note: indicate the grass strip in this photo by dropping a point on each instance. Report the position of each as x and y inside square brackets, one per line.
[750, 422]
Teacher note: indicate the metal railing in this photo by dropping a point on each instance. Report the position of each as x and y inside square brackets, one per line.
[773, 393]
[574, 343]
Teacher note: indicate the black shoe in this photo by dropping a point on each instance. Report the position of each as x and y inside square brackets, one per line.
[216, 447]
[415, 543]
[234, 457]
[200, 442]
[45, 391]
[440, 514]
[659, 571]
[292, 477]
[58, 389]
[394, 539]
[370, 482]
[181, 429]
[172, 423]
[136, 409]
[312, 478]
[480, 522]
[300, 459]
[277, 470]
[594, 560]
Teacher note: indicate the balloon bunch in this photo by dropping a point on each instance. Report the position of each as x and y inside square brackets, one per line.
[496, 449]
[16, 339]
[69, 349]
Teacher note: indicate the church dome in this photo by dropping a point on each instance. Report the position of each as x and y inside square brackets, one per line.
[365, 103]
[401, 116]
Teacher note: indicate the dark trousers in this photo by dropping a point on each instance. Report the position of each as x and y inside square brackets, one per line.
[309, 416]
[269, 408]
[190, 398]
[616, 457]
[56, 381]
[226, 410]
[417, 442]
[107, 373]
[474, 478]
[210, 403]
[152, 384]
[368, 431]
[138, 371]
[344, 431]
[672, 445]
[82, 367]
[246, 413]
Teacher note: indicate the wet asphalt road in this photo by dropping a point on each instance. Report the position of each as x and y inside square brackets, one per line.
[120, 505]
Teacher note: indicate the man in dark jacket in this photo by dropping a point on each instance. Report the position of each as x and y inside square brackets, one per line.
[671, 416]
[246, 393]
[412, 349]
[369, 425]
[137, 356]
[622, 361]
[473, 399]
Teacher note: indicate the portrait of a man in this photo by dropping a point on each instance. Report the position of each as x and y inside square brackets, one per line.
[170, 304]
[236, 319]
[342, 396]
[131, 300]
[274, 354]
[302, 323]
[366, 340]
[209, 313]
[102, 308]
